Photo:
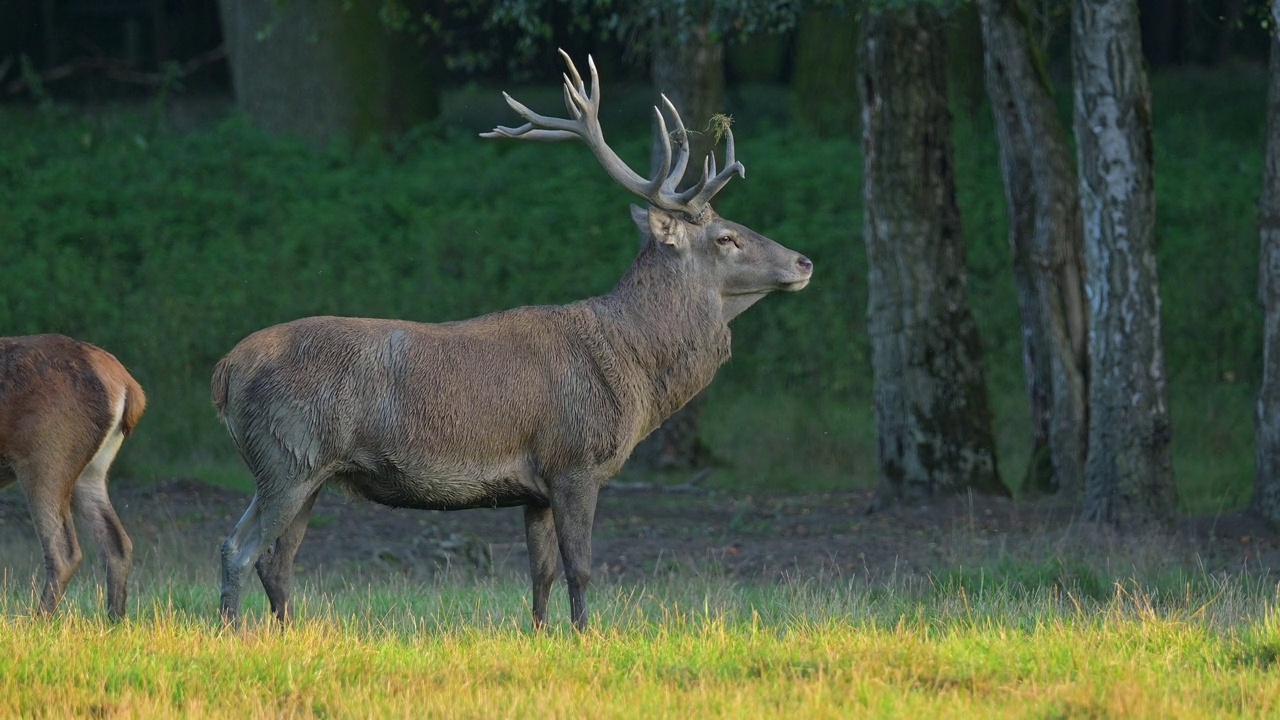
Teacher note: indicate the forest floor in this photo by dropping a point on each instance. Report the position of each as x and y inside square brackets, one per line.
[653, 532]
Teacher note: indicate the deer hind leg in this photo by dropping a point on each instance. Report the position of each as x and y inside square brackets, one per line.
[50, 504]
[268, 516]
[93, 506]
[275, 566]
[544, 560]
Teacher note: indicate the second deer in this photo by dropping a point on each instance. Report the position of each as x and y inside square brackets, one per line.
[65, 408]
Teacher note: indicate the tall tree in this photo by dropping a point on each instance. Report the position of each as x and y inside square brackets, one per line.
[825, 83]
[323, 69]
[1128, 474]
[685, 46]
[686, 62]
[1046, 238]
[687, 65]
[1266, 486]
[932, 414]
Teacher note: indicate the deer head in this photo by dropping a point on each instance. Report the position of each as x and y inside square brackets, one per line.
[743, 264]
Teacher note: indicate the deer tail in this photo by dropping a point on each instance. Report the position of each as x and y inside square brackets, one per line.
[135, 401]
[218, 387]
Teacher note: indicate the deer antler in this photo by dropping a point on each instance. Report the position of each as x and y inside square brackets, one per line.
[584, 124]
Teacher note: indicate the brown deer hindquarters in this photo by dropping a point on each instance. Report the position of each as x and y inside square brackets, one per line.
[65, 409]
[535, 406]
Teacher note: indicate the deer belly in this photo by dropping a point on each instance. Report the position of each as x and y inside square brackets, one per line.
[446, 488]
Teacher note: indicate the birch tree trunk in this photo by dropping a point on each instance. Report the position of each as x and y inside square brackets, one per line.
[933, 419]
[1266, 485]
[1046, 238]
[1128, 474]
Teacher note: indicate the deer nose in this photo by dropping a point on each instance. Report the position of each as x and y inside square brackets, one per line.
[805, 265]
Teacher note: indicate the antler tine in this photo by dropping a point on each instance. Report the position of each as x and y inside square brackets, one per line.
[699, 196]
[658, 184]
[573, 69]
[574, 110]
[577, 102]
[539, 127]
[682, 159]
[595, 81]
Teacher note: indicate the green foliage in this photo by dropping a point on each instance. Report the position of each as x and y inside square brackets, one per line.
[640, 26]
[168, 250]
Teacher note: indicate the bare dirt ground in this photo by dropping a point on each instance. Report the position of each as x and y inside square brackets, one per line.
[647, 533]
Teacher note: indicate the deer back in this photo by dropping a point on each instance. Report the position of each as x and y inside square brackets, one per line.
[523, 383]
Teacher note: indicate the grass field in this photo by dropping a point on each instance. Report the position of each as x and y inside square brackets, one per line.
[694, 647]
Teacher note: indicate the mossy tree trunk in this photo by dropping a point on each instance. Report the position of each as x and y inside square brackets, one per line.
[1046, 238]
[688, 67]
[1266, 486]
[826, 70]
[1128, 474]
[932, 414]
[325, 69]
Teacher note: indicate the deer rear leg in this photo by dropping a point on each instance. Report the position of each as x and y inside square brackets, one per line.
[275, 566]
[544, 560]
[93, 506]
[574, 509]
[51, 515]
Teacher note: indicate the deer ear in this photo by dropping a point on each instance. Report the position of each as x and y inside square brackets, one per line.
[665, 227]
[640, 217]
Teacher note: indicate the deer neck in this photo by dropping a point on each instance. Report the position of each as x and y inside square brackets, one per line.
[663, 321]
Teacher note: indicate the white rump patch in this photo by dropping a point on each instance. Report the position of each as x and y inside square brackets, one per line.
[93, 478]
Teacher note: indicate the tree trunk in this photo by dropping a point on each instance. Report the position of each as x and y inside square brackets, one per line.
[321, 70]
[1128, 474]
[826, 73]
[676, 445]
[1266, 485]
[932, 413]
[690, 72]
[1046, 238]
[689, 69]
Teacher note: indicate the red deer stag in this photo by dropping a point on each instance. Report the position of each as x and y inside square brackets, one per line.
[65, 408]
[535, 406]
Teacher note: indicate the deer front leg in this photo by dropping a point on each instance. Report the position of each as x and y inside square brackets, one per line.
[573, 504]
[544, 560]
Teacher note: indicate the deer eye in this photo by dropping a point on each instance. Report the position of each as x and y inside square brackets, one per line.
[725, 241]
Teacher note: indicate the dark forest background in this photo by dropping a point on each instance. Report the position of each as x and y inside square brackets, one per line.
[171, 185]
